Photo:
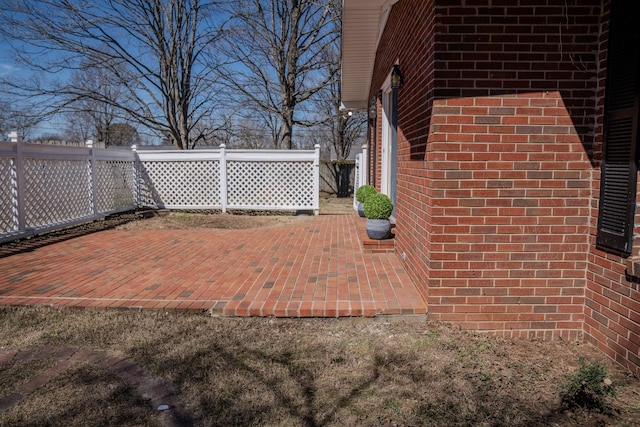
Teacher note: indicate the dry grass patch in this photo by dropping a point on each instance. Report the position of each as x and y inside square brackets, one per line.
[83, 395]
[305, 372]
[235, 219]
[164, 220]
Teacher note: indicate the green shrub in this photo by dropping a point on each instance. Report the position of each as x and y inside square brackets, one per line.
[365, 191]
[378, 206]
[588, 388]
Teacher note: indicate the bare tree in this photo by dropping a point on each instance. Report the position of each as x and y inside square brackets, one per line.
[14, 117]
[252, 135]
[339, 130]
[91, 116]
[78, 126]
[121, 134]
[276, 48]
[154, 50]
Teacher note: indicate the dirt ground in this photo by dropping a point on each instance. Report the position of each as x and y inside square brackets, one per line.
[57, 367]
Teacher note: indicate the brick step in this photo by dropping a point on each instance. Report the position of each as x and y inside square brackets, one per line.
[375, 246]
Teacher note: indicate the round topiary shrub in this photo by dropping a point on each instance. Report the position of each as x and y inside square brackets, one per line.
[378, 206]
[365, 191]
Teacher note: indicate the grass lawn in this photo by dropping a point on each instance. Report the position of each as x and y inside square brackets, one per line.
[296, 372]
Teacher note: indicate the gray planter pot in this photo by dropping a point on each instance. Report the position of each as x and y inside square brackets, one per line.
[378, 229]
[361, 209]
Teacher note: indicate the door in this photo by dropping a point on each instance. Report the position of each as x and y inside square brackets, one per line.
[389, 145]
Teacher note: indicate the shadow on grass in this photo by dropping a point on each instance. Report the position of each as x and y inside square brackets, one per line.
[84, 395]
[313, 386]
[305, 372]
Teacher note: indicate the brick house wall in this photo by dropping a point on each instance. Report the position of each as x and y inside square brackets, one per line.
[415, 48]
[499, 147]
[612, 309]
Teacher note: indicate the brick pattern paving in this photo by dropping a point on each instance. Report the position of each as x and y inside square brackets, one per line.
[315, 269]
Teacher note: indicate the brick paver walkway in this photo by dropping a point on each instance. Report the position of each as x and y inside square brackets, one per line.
[315, 269]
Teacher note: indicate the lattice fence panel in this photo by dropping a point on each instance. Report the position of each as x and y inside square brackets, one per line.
[286, 185]
[115, 185]
[56, 191]
[180, 184]
[7, 197]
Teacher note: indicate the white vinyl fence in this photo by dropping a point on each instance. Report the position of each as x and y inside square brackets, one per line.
[46, 187]
[360, 176]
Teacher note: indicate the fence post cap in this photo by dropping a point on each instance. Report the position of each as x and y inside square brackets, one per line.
[223, 145]
[134, 147]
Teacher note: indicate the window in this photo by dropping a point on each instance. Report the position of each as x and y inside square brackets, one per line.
[619, 165]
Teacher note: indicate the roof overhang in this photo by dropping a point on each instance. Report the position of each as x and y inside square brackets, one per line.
[362, 24]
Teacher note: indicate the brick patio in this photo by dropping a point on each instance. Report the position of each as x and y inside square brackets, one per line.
[314, 269]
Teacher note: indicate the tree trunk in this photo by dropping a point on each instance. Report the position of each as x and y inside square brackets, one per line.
[285, 140]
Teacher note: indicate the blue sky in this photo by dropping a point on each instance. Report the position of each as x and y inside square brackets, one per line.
[10, 69]
[7, 66]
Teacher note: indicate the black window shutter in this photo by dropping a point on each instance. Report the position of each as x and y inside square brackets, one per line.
[619, 166]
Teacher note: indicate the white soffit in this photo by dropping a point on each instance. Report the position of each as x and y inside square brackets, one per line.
[362, 25]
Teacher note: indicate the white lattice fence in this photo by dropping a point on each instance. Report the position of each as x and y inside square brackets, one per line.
[230, 179]
[272, 185]
[278, 180]
[8, 219]
[115, 181]
[179, 180]
[46, 187]
[56, 191]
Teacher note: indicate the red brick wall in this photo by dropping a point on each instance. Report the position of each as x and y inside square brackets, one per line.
[513, 130]
[415, 50]
[495, 133]
[499, 147]
[612, 311]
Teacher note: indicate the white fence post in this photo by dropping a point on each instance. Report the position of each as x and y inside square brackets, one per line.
[316, 180]
[137, 177]
[360, 177]
[20, 208]
[356, 180]
[223, 178]
[364, 165]
[93, 177]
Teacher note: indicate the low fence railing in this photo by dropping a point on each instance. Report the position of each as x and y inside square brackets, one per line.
[43, 187]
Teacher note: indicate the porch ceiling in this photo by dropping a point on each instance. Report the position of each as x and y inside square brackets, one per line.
[362, 25]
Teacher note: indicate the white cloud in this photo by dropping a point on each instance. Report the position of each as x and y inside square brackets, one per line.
[6, 68]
